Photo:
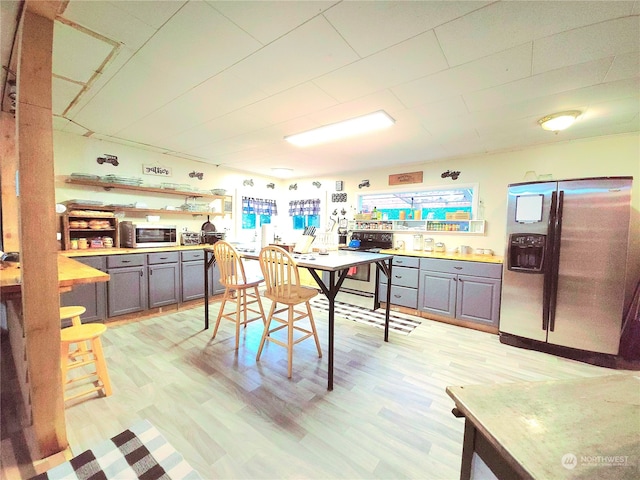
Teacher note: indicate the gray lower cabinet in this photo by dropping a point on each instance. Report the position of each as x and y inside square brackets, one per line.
[92, 296]
[404, 282]
[459, 289]
[127, 287]
[192, 273]
[164, 278]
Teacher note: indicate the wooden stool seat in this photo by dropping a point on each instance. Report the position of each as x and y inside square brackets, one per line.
[87, 335]
[73, 312]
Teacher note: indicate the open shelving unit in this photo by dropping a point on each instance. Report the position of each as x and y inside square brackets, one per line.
[225, 200]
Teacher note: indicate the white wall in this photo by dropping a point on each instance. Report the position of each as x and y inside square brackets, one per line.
[617, 155]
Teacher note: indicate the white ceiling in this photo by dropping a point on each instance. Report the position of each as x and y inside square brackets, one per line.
[224, 81]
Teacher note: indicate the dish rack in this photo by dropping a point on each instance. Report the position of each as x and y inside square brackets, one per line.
[328, 240]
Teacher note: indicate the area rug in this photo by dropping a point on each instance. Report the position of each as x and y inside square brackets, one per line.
[398, 322]
[141, 452]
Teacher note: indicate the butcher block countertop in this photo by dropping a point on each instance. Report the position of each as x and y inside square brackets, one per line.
[70, 273]
[446, 256]
[94, 252]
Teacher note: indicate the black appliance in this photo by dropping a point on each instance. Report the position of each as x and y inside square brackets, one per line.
[372, 241]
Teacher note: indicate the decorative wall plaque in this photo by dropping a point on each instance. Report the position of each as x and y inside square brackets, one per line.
[405, 178]
[156, 170]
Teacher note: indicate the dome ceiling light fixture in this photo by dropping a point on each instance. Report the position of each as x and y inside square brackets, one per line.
[559, 121]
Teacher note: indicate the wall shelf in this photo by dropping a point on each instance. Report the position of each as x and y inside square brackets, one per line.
[462, 227]
[225, 200]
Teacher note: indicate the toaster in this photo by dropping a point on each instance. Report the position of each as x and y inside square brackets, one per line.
[190, 238]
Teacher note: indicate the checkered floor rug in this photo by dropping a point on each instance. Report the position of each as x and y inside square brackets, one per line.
[398, 322]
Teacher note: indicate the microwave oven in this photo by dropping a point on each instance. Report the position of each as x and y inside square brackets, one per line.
[141, 235]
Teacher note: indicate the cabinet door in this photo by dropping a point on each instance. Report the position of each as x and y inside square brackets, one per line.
[164, 284]
[215, 287]
[127, 290]
[92, 296]
[437, 293]
[478, 299]
[192, 280]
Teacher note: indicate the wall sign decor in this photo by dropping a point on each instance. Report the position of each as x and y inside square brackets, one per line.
[450, 173]
[156, 170]
[364, 183]
[198, 175]
[339, 185]
[112, 159]
[405, 178]
[338, 198]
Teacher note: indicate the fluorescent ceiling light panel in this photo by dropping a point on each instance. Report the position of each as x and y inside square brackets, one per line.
[347, 128]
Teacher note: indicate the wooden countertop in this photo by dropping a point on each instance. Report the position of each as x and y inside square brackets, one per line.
[70, 273]
[535, 425]
[446, 256]
[94, 252]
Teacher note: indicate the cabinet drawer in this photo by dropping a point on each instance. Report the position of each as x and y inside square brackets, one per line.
[162, 257]
[479, 269]
[402, 296]
[192, 255]
[131, 260]
[403, 276]
[413, 262]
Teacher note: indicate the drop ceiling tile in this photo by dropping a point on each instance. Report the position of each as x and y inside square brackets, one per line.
[381, 100]
[414, 58]
[502, 25]
[63, 93]
[443, 110]
[268, 20]
[370, 27]
[292, 103]
[214, 98]
[492, 71]
[549, 83]
[624, 66]
[221, 128]
[111, 21]
[76, 54]
[197, 43]
[584, 44]
[130, 95]
[306, 53]
[154, 14]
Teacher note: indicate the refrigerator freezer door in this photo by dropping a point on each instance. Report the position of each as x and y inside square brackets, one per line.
[592, 264]
[521, 306]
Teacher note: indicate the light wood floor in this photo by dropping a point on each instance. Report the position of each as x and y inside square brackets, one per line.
[387, 417]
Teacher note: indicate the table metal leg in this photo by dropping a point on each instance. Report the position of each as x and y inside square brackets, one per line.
[330, 292]
[208, 261]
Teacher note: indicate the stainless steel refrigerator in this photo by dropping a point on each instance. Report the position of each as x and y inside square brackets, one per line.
[564, 271]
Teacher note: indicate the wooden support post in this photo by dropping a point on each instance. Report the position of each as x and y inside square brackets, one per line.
[40, 298]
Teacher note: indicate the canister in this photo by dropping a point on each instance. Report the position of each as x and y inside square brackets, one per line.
[428, 244]
[417, 243]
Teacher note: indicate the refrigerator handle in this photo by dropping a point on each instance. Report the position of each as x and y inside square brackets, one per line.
[548, 261]
[555, 263]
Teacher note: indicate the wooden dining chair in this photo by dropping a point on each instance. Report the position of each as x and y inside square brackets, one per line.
[236, 283]
[283, 287]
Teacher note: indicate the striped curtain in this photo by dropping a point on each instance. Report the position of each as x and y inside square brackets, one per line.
[304, 207]
[259, 206]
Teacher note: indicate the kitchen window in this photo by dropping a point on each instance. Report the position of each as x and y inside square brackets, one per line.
[305, 213]
[257, 212]
[428, 204]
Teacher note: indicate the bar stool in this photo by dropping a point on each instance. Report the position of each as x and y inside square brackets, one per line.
[87, 338]
[73, 312]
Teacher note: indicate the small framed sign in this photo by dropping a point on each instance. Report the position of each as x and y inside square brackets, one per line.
[405, 178]
[156, 170]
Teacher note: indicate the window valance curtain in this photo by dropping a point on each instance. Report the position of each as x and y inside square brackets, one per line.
[304, 207]
[259, 206]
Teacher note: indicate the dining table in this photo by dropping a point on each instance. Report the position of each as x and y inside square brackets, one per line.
[337, 263]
